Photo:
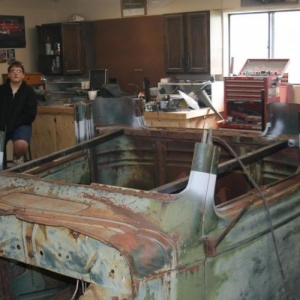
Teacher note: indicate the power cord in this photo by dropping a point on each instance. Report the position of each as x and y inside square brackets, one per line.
[76, 289]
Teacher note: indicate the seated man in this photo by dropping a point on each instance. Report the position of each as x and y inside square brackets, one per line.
[18, 109]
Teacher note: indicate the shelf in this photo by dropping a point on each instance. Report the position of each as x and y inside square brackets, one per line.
[62, 92]
[62, 82]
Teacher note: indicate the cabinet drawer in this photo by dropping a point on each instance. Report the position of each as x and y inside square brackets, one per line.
[30, 78]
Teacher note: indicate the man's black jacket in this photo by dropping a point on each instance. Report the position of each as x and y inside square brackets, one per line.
[18, 110]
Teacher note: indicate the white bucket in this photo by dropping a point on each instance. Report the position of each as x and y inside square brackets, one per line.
[92, 95]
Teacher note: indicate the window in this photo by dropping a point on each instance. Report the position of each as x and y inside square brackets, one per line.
[265, 35]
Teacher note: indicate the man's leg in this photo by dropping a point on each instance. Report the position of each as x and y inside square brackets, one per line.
[20, 148]
[21, 139]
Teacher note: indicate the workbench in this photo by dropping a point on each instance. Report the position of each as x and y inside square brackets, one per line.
[202, 118]
[52, 130]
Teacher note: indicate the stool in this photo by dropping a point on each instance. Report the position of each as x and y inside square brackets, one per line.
[27, 157]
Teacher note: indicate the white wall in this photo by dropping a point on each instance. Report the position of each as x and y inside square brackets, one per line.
[110, 9]
[37, 12]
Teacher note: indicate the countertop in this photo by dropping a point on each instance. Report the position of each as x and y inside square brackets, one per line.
[178, 115]
[55, 109]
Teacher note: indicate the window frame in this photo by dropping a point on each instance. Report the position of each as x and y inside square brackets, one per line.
[271, 31]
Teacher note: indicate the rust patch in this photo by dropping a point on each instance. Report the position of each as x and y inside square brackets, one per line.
[111, 274]
[192, 269]
[75, 235]
[132, 192]
[28, 237]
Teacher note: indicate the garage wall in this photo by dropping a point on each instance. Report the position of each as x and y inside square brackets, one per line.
[37, 12]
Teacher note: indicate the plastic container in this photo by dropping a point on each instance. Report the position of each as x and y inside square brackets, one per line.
[48, 46]
[153, 91]
[92, 95]
[57, 59]
[57, 47]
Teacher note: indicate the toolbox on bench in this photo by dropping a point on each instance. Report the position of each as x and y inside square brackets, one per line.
[246, 96]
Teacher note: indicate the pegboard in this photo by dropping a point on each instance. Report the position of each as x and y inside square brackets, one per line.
[98, 78]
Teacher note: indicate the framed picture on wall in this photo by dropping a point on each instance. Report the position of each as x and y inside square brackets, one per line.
[266, 2]
[3, 56]
[12, 32]
[133, 8]
[11, 55]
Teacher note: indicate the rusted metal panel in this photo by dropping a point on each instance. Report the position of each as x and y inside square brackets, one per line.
[73, 168]
[130, 243]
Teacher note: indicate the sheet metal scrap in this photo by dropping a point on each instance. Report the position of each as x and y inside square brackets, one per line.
[2, 146]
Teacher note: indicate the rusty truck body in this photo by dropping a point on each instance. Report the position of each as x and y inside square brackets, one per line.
[145, 213]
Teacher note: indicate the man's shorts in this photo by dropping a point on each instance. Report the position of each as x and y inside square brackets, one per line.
[21, 133]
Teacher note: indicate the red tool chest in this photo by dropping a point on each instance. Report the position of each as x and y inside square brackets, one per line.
[246, 96]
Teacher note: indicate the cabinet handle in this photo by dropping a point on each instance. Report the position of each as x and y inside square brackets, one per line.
[181, 61]
[188, 61]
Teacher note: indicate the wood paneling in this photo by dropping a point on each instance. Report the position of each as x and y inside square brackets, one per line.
[30, 78]
[131, 49]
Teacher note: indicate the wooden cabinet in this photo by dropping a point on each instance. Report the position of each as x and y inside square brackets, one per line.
[188, 43]
[72, 48]
[52, 130]
[131, 49]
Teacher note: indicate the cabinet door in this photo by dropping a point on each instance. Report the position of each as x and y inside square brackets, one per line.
[88, 46]
[43, 140]
[41, 49]
[72, 48]
[65, 131]
[51, 133]
[198, 42]
[174, 43]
